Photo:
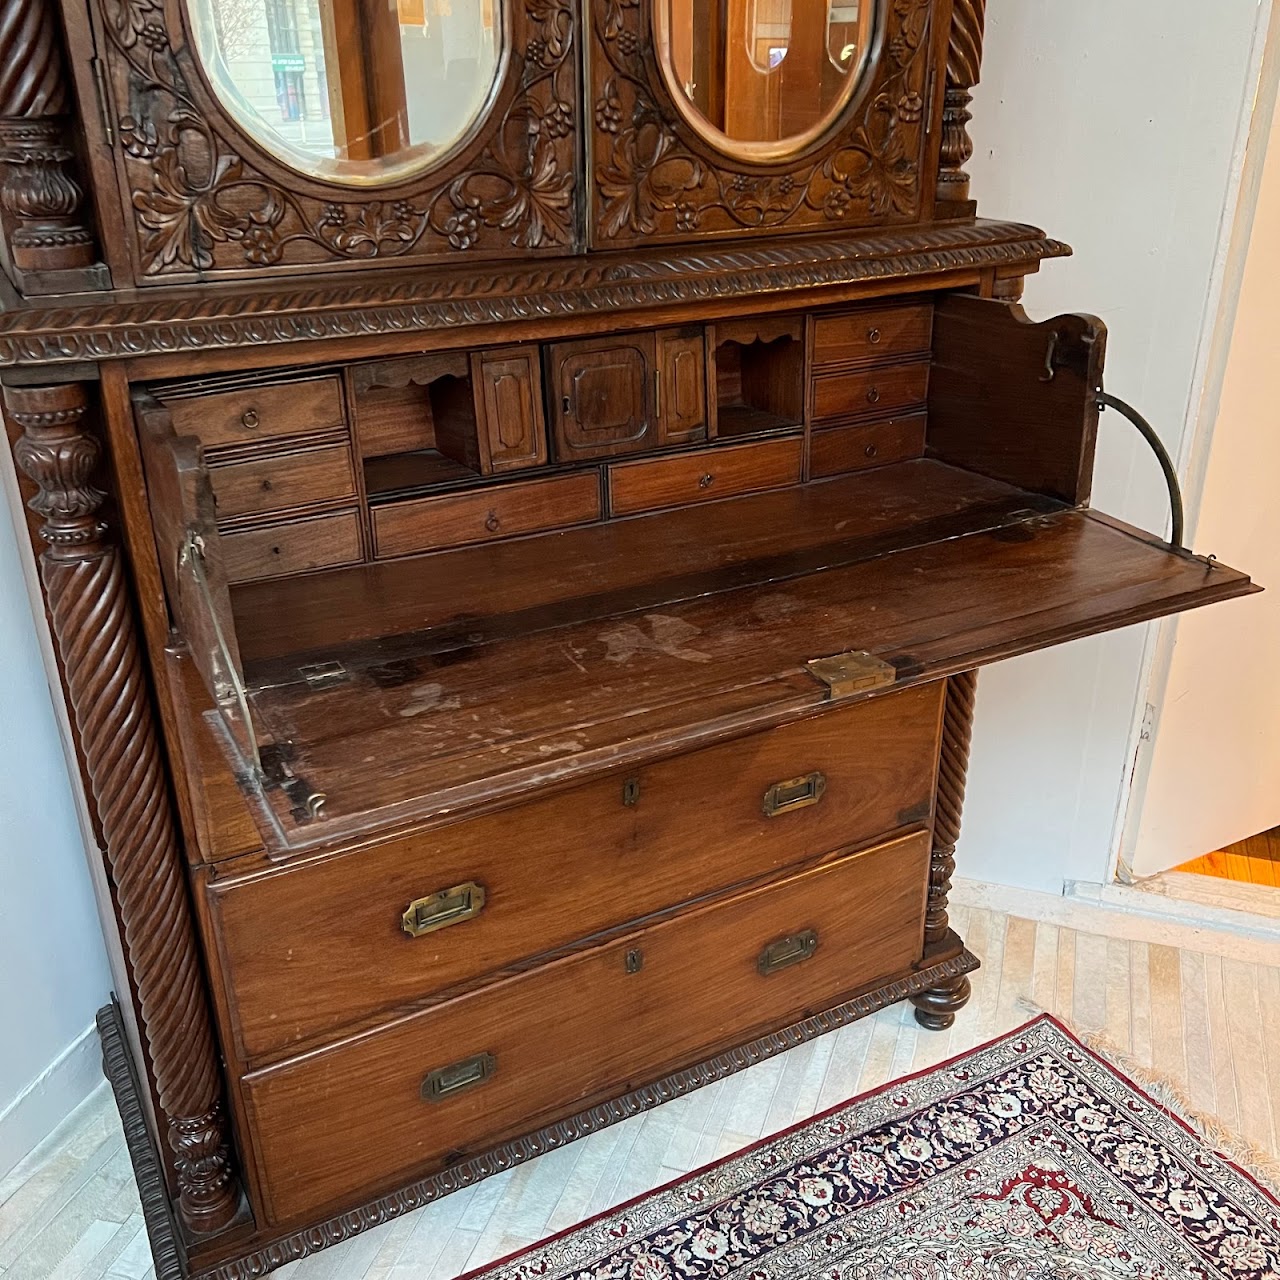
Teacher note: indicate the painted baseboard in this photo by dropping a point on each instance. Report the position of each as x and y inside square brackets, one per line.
[61, 1087]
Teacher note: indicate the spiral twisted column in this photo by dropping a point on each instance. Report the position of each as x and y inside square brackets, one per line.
[964, 69]
[40, 197]
[937, 1007]
[93, 624]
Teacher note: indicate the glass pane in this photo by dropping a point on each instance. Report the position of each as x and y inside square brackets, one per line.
[761, 77]
[355, 91]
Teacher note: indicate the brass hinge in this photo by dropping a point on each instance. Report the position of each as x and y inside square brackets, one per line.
[850, 673]
[104, 100]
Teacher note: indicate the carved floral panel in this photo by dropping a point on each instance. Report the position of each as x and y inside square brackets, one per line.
[655, 179]
[204, 200]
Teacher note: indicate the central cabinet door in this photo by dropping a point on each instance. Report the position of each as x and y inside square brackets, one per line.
[602, 397]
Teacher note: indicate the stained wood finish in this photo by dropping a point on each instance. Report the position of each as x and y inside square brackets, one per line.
[682, 386]
[602, 397]
[508, 388]
[704, 476]
[1016, 400]
[256, 413]
[281, 481]
[613, 1024]
[964, 65]
[839, 450]
[871, 391]
[501, 511]
[879, 333]
[562, 867]
[84, 578]
[278, 549]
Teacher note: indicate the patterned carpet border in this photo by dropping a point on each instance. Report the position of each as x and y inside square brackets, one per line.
[1031, 1157]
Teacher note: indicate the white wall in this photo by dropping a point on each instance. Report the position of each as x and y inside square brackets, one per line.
[53, 967]
[1118, 128]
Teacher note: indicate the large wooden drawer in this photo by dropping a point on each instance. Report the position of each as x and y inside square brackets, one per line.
[310, 949]
[260, 413]
[503, 511]
[510, 1058]
[720, 472]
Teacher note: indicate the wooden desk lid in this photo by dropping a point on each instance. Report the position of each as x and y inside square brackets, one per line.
[931, 570]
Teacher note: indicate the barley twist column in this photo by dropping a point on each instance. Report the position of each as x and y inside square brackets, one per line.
[937, 1007]
[964, 68]
[93, 623]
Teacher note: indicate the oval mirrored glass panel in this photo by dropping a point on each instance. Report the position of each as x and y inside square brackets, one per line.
[358, 92]
[761, 79]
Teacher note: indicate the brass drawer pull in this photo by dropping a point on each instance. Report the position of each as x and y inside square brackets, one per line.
[440, 910]
[873, 396]
[794, 793]
[787, 951]
[873, 335]
[249, 419]
[448, 1082]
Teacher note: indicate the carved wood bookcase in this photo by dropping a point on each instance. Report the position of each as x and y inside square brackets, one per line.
[494, 587]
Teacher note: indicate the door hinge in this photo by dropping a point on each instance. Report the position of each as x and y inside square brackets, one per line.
[104, 100]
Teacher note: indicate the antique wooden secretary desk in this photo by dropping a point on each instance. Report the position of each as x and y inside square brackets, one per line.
[525, 487]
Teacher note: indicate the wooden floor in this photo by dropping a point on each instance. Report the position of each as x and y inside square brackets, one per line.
[1252, 861]
[1204, 1012]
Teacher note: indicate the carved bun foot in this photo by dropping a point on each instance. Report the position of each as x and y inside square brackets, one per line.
[936, 1008]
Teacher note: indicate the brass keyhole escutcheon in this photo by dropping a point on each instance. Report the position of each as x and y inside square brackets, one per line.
[249, 418]
[873, 396]
[873, 335]
[634, 961]
[631, 792]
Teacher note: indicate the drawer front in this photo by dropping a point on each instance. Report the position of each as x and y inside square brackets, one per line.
[872, 335]
[838, 450]
[842, 395]
[315, 948]
[295, 547]
[503, 511]
[705, 475]
[454, 1080]
[275, 484]
[260, 413]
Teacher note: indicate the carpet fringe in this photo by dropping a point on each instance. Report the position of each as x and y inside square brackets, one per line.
[1257, 1161]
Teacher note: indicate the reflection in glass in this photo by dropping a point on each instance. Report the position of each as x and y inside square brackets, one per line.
[357, 91]
[761, 73]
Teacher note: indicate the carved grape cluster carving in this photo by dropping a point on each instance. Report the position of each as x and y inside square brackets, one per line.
[200, 206]
[653, 177]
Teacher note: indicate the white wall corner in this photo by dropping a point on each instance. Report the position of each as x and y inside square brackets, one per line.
[40, 1107]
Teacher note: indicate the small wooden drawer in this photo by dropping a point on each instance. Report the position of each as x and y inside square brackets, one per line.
[872, 335]
[277, 483]
[844, 395]
[320, 542]
[454, 1080]
[260, 413]
[503, 511]
[721, 472]
[311, 949]
[837, 450]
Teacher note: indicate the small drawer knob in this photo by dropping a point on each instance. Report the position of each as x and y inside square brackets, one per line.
[493, 524]
[266, 486]
[249, 418]
[871, 451]
[873, 396]
[706, 481]
[873, 335]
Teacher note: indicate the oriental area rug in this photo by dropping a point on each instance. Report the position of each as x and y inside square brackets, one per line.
[1031, 1158]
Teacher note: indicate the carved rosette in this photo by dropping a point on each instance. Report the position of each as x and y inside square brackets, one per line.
[937, 1007]
[40, 197]
[964, 69]
[89, 602]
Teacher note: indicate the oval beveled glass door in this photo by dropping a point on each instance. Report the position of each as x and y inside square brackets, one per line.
[358, 92]
[761, 79]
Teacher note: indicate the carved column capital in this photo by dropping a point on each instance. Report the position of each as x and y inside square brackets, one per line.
[93, 624]
[964, 69]
[49, 244]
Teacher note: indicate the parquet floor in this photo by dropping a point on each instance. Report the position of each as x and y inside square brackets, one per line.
[1201, 1007]
[1252, 861]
